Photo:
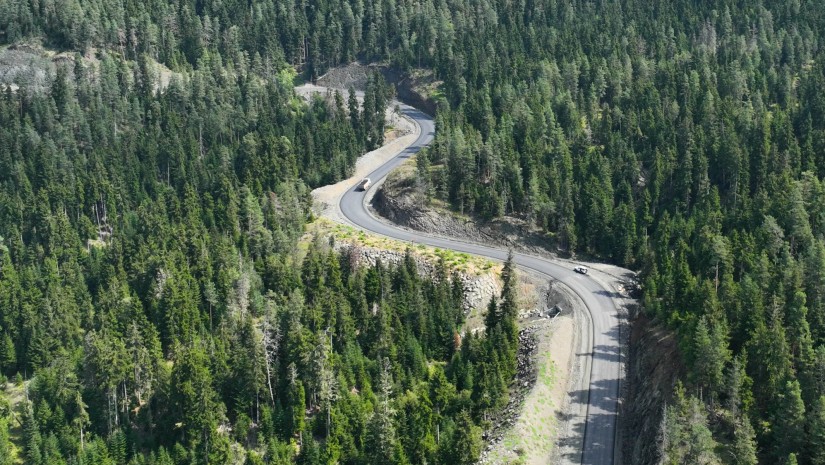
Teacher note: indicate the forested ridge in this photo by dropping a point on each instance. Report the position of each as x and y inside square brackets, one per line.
[685, 139]
[154, 307]
[157, 303]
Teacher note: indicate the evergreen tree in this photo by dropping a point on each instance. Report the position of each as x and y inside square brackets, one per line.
[6, 456]
[815, 449]
[465, 447]
[789, 433]
[687, 438]
[381, 438]
[743, 448]
[711, 354]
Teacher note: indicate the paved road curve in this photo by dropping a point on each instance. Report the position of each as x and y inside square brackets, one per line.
[603, 356]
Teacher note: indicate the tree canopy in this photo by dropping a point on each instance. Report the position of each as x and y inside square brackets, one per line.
[150, 288]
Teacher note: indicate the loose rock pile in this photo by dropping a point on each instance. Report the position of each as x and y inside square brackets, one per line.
[353, 75]
[27, 66]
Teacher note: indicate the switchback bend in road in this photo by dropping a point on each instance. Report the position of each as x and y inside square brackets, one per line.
[604, 358]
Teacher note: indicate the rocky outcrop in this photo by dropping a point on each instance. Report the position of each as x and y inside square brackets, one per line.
[397, 203]
[408, 88]
[478, 289]
[654, 365]
[27, 66]
[398, 200]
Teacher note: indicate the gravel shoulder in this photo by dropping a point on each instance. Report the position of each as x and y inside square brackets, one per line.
[544, 407]
[541, 414]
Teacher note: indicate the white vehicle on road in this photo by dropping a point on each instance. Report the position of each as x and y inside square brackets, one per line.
[580, 269]
[364, 184]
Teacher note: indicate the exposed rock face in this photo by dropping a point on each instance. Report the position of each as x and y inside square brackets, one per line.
[356, 75]
[396, 202]
[26, 66]
[353, 75]
[654, 365]
[398, 199]
[478, 289]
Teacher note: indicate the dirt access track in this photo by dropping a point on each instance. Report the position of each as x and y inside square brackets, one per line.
[591, 422]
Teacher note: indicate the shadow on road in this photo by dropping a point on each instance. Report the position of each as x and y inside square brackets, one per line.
[607, 353]
[599, 430]
[606, 293]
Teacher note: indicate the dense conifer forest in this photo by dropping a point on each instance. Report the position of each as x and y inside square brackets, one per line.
[155, 304]
[156, 307]
[685, 139]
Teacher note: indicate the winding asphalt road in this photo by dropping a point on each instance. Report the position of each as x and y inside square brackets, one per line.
[598, 402]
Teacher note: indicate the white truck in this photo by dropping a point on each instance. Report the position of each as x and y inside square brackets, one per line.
[364, 184]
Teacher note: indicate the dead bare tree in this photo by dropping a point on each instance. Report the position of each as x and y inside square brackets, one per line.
[271, 342]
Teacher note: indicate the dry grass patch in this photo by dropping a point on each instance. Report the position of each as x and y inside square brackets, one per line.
[471, 265]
